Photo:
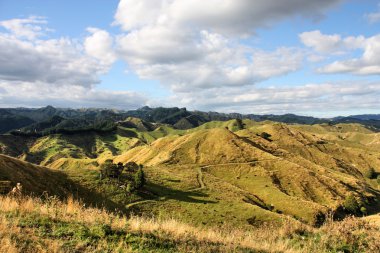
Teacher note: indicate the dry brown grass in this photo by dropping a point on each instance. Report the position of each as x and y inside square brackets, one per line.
[349, 235]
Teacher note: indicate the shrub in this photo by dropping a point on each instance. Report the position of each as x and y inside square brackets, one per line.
[351, 204]
[129, 188]
[110, 170]
[139, 178]
[132, 166]
[265, 136]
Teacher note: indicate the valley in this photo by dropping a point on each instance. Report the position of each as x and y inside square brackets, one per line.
[236, 172]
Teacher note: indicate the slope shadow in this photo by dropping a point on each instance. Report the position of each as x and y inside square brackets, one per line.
[184, 196]
[42, 182]
[91, 197]
[84, 141]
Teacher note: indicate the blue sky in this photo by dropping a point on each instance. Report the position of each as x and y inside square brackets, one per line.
[243, 56]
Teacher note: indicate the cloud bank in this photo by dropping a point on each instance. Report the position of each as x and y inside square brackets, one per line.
[36, 71]
[198, 51]
[193, 44]
[367, 64]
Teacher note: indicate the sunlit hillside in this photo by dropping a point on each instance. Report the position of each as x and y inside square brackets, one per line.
[31, 225]
[236, 172]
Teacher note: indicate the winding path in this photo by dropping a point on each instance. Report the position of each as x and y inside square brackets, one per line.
[139, 202]
[200, 178]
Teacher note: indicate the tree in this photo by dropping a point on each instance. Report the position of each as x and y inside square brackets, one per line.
[105, 168]
[139, 178]
[265, 136]
[132, 166]
[363, 210]
[351, 204]
[110, 170]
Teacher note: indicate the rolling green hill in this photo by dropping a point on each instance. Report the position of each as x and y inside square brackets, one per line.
[295, 172]
[81, 183]
[237, 172]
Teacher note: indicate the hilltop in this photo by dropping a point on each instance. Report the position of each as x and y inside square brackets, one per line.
[239, 172]
[82, 184]
[202, 171]
[298, 171]
[50, 120]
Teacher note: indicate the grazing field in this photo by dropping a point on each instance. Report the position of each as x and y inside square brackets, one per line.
[240, 174]
[32, 225]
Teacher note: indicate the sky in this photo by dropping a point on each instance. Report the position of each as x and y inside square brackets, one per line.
[318, 58]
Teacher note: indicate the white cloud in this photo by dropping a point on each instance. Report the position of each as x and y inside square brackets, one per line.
[100, 46]
[61, 61]
[54, 61]
[218, 16]
[37, 94]
[159, 44]
[62, 72]
[29, 28]
[223, 68]
[320, 42]
[367, 64]
[196, 44]
[330, 44]
[373, 17]
[323, 99]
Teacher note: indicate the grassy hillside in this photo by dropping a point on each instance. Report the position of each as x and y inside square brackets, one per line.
[35, 179]
[31, 225]
[47, 149]
[300, 172]
[81, 183]
[236, 172]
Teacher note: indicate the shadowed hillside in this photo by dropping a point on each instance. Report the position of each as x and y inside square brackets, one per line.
[289, 170]
[238, 172]
[80, 184]
[33, 225]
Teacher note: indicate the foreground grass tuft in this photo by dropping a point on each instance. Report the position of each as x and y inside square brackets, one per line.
[32, 225]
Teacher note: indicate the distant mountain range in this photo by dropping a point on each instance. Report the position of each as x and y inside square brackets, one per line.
[51, 120]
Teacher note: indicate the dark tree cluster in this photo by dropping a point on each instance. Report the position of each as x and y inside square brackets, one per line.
[130, 175]
[266, 136]
[354, 206]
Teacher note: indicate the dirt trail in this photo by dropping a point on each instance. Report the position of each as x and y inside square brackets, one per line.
[139, 202]
[237, 163]
[200, 179]
[201, 183]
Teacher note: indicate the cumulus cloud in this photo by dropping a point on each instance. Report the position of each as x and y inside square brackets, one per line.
[38, 94]
[320, 42]
[225, 67]
[60, 61]
[197, 44]
[367, 64]
[55, 61]
[29, 28]
[324, 99]
[185, 59]
[330, 43]
[35, 71]
[220, 16]
[373, 17]
[100, 46]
